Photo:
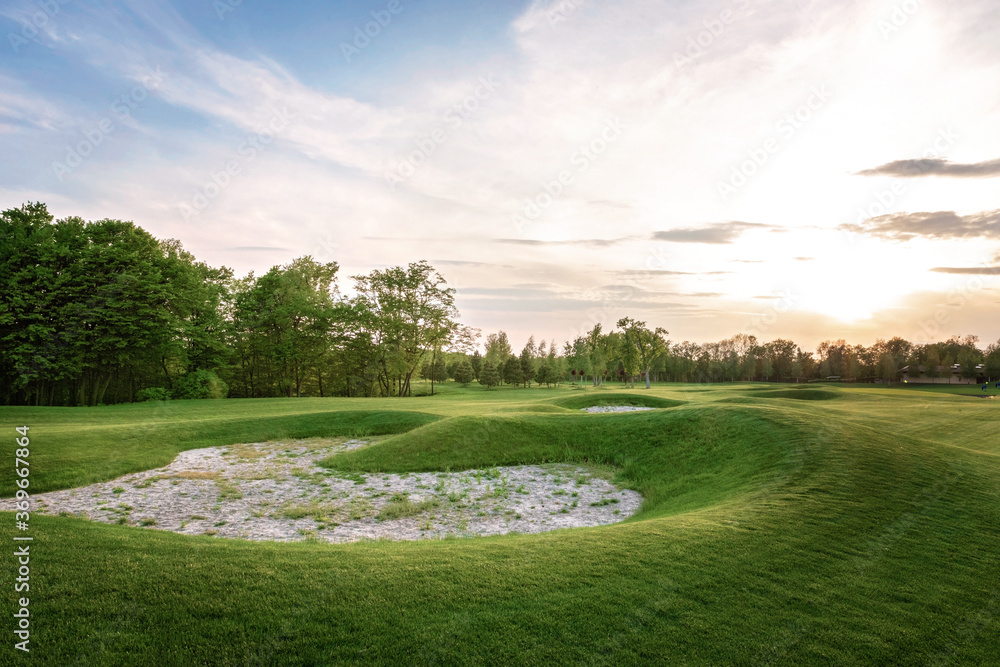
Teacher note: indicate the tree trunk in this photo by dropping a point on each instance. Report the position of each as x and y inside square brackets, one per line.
[103, 389]
[319, 373]
[647, 377]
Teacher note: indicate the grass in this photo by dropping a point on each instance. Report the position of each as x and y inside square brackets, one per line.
[400, 507]
[776, 529]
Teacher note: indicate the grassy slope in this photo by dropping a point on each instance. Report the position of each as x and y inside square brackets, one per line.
[861, 529]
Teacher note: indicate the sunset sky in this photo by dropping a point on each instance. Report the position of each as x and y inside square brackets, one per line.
[798, 169]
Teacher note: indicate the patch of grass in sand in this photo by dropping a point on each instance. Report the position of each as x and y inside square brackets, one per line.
[317, 510]
[400, 506]
[228, 490]
[359, 508]
[246, 452]
[195, 474]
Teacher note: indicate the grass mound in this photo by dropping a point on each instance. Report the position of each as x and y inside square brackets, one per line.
[677, 460]
[616, 398]
[805, 394]
[852, 532]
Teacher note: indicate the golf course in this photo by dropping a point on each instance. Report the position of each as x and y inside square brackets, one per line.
[780, 524]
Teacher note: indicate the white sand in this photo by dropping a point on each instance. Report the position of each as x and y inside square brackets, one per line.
[262, 491]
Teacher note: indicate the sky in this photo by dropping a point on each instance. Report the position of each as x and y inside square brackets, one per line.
[787, 168]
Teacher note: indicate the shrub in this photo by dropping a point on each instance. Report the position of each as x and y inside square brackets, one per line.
[201, 384]
[153, 394]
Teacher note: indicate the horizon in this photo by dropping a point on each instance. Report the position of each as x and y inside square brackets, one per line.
[788, 170]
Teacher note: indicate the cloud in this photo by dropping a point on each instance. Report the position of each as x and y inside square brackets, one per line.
[664, 272]
[969, 270]
[459, 262]
[934, 225]
[935, 167]
[723, 232]
[611, 204]
[600, 243]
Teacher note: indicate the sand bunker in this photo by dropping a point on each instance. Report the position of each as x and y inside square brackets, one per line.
[615, 408]
[275, 491]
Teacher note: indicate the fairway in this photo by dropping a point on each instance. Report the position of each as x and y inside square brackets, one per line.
[780, 525]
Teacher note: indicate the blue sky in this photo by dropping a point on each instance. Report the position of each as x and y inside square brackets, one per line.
[786, 168]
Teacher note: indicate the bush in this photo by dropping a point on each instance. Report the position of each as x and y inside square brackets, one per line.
[201, 384]
[153, 394]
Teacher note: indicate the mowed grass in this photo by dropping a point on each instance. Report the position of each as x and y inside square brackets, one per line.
[777, 529]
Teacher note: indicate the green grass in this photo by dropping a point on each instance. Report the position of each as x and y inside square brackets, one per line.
[858, 530]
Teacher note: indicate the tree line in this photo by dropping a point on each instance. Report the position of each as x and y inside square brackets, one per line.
[102, 312]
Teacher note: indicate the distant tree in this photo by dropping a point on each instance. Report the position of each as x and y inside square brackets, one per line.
[576, 356]
[597, 354]
[968, 361]
[947, 367]
[931, 363]
[476, 361]
[511, 370]
[488, 375]
[497, 348]
[527, 362]
[463, 373]
[640, 345]
[546, 374]
[992, 362]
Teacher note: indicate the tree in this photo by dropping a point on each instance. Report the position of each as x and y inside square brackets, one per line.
[577, 357]
[932, 362]
[511, 370]
[947, 367]
[463, 373]
[488, 375]
[497, 348]
[640, 346]
[546, 374]
[991, 366]
[968, 364]
[411, 313]
[597, 354]
[476, 362]
[527, 362]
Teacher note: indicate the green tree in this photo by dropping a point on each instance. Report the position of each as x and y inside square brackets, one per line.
[640, 345]
[463, 373]
[497, 348]
[489, 375]
[411, 312]
[511, 370]
[527, 362]
[476, 362]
